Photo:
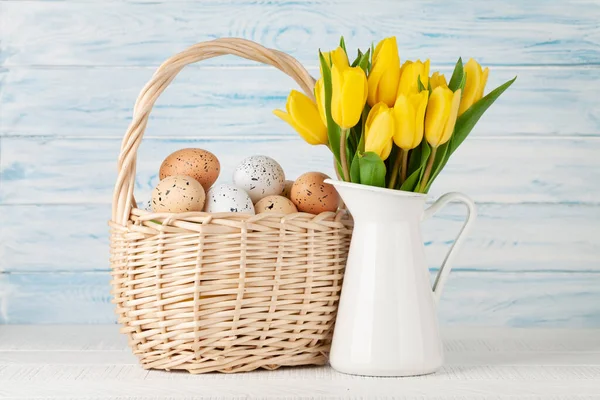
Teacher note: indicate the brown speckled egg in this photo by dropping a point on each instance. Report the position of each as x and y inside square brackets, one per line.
[178, 193]
[310, 194]
[202, 165]
[287, 189]
[275, 204]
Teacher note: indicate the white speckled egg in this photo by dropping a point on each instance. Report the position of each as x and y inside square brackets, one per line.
[260, 176]
[275, 204]
[178, 193]
[228, 198]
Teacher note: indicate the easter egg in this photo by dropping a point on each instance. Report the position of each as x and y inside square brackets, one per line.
[202, 165]
[310, 194]
[178, 193]
[259, 176]
[275, 204]
[287, 188]
[228, 198]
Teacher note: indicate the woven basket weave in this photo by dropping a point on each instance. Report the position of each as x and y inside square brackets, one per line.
[222, 292]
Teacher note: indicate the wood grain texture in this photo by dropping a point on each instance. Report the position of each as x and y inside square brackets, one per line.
[512, 170]
[502, 299]
[124, 33]
[482, 363]
[71, 70]
[237, 101]
[516, 237]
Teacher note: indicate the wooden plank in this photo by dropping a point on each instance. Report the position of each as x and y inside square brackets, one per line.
[125, 33]
[471, 298]
[15, 363]
[92, 362]
[515, 170]
[504, 238]
[464, 382]
[212, 102]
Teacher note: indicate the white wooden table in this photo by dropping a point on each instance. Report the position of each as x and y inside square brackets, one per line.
[93, 362]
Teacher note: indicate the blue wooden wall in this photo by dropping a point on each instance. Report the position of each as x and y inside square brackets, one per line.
[70, 72]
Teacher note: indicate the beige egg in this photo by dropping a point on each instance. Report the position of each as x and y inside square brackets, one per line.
[275, 204]
[178, 193]
[287, 189]
[202, 165]
[310, 194]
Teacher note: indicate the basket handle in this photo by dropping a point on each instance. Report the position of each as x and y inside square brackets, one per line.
[123, 200]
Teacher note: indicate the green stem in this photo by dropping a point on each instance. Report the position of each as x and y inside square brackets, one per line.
[396, 167]
[404, 166]
[343, 156]
[428, 170]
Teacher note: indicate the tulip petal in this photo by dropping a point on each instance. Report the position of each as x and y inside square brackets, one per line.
[483, 82]
[337, 82]
[404, 120]
[452, 116]
[473, 82]
[303, 115]
[438, 110]
[353, 96]
[419, 102]
[339, 58]
[384, 76]
[379, 130]
[320, 98]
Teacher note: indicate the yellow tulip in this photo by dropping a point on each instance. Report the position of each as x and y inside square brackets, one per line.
[440, 118]
[474, 86]
[409, 74]
[349, 95]
[385, 74]
[379, 130]
[336, 57]
[320, 97]
[437, 79]
[303, 115]
[409, 117]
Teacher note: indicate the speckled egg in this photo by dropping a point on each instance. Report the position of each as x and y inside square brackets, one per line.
[310, 194]
[275, 204]
[260, 176]
[287, 188]
[178, 193]
[228, 198]
[202, 165]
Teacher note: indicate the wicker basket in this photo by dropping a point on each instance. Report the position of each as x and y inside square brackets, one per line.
[222, 292]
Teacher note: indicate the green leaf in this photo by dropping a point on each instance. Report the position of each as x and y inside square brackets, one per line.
[372, 169]
[457, 76]
[364, 62]
[410, 184]
[355, 169]
[438, 163]
[333, 130]
[343, 44]
[357, 59]
[465, 124]
[420, 84]
[463, 82]
[361, 142]
[425, 152]
[371, 59]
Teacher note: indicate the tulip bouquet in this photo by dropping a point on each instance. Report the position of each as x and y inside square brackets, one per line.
[389, 125]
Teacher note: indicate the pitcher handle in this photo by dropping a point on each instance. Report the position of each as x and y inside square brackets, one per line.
[442, 275]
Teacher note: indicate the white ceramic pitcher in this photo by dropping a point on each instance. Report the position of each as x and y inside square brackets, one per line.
[387, 322]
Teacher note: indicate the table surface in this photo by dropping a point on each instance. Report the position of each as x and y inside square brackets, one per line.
[93, 362]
